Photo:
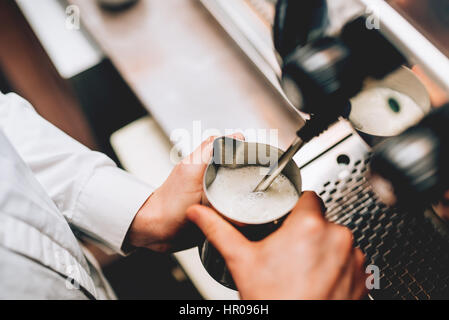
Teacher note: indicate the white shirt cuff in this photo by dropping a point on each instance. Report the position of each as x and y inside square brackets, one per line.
[108, 204]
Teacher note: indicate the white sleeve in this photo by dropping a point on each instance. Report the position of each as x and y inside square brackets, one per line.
[87, 187]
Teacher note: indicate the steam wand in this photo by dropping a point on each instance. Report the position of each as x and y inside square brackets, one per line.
[312, 128]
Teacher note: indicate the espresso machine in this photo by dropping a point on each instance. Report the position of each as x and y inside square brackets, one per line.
[383, 192]
[386, 199]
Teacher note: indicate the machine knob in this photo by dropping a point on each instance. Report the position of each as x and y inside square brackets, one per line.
[412, 170]
[322, 75]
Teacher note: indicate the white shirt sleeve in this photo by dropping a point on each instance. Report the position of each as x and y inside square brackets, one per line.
[87, 187]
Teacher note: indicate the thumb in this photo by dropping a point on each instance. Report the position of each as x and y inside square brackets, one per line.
[309, 206]
[220, 233]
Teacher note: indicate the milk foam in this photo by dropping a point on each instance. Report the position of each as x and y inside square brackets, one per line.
[232, 194]
[372, 114]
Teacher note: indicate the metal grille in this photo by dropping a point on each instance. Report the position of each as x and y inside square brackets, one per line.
[413, 257]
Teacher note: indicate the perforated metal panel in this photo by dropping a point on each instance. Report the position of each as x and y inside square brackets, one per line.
[412, 255]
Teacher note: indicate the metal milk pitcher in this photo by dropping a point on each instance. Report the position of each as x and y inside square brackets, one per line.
[233, 153]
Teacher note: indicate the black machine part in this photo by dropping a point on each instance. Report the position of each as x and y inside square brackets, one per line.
[321, 76]
[412, 170]
[297, 23]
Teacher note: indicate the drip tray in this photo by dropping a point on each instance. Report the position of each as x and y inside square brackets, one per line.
[410, 250]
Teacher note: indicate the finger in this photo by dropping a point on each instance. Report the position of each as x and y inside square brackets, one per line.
[338, 256]
[311, 201]
[237, 135]
[206, 148]
[221, 234]
[343, 288]
[309, 207]
[359, 286]
[445, 199]
[202, 154]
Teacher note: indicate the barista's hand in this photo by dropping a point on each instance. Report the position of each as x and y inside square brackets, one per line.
[442, 208]
[307, 258]
[161, 223]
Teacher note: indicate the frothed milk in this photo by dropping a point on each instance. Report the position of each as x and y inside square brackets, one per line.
[232, 194]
